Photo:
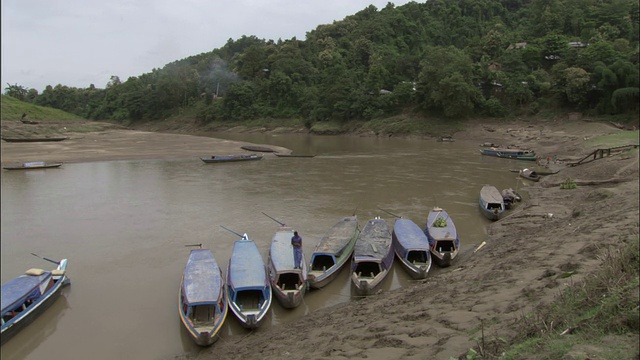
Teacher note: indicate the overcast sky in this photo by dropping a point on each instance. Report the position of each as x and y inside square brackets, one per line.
[78, 42]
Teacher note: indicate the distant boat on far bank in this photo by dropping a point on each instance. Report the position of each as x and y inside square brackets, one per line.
[33, 165]
[41, 139]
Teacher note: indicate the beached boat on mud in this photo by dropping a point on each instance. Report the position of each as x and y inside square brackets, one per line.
[230, 158]
[443, 238]
[202, 303]
[295, 155]
[257, 148]
[332, 252]
[288, 283]
[248, 287]
[33, 165]
[372, 257]
[412, 248]
[27, 296]
[491, 202]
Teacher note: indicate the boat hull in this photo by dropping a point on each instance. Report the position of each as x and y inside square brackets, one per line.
[34, 139]
[411, 246]
[230, 158]
[26, 317]
[491, 203]
[372, 257]
[288, 284]
[443, 240]
[334, 249]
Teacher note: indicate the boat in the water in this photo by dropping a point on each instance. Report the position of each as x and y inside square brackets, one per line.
[248, 287]
[294, 155]
[443, 238]
[509, 153]
[332, 252]
[42, 139]
[372, 257]
[412, 248]
[202, 303]
[33, 165]
[257, 148]
[491, 202]
[26, 297]
[230, 158]
[289, 284]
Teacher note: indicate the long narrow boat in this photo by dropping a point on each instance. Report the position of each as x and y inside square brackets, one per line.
[412, 248]
[34, 139]
[292, 155]
[491, 202]
[518, 154]
[257, 148]
[288, 283]
[248, 286]
[230, 158]
[202, 304]
[33, 165]
[372, 257]
[443, 237]
[332, 252]
[27, 296]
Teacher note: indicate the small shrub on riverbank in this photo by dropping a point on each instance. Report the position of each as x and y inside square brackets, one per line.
[568, 184]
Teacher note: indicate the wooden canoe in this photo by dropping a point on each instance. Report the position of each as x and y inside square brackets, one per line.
[202, 303]
[33, 165]
[27, 296]
[332, 252]
[230, 158]
[34, 139]
[289, 284]
[412, 248]
[372, 257]
[294, 156]
[443, 238]
[248, 287]
[257, 148]
[491, 202]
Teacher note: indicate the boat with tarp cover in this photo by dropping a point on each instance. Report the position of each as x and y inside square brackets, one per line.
[443, 237]
[372, 257]
[332, 252]
[288, 283]
[27, 296]
[412, 248]
[248, 287]
[491, 202]
[202, 303]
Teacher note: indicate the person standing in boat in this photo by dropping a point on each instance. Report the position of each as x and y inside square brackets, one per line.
[296, 241]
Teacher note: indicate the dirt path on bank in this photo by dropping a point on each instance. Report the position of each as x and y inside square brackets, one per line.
[522, 265]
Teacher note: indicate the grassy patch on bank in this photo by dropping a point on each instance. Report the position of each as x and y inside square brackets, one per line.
[12, 109]
[594, 318]
[612, 140]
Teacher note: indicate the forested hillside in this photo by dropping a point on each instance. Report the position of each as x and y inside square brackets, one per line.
[449, 58]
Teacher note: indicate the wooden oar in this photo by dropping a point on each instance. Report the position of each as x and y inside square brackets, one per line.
[44, 258]
[281, 224]
[390, 213]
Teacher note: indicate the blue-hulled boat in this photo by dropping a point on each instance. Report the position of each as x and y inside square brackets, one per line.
[248, 286]
[412, 248]
[443, 237]
[509, 153]
[491, 202]
[202, 303]
[27, 296]
[332, 252]
[372, 257]
[288, 283]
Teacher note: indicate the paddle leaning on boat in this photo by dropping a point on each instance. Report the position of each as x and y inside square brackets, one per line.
[248, 288]
[202, 302]
[412, 248]
[27, 296]
[288, 282]
[372, 257]
[443, 237]
[332, 252]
